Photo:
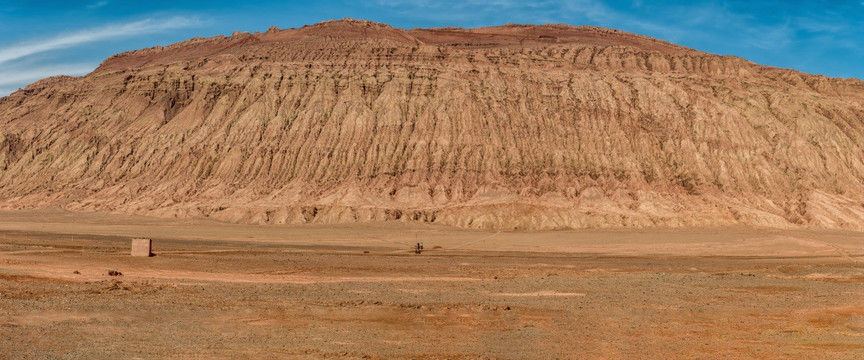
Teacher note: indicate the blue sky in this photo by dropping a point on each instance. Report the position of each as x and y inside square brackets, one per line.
[40, 38]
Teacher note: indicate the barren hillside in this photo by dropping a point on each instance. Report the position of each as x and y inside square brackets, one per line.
[511, 127]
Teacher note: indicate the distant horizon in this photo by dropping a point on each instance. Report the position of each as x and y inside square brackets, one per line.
[56, 37]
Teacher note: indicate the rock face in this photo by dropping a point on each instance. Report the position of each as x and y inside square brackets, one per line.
[510, 127]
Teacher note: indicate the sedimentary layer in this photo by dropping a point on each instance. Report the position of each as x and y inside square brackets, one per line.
[510, 127]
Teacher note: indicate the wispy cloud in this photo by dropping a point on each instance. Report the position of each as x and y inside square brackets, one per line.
[19, 76]
[93, 35]
[821, 25]
[595, 11]
[468, 13]
[97, 4]
[16, 70]
[770, 37]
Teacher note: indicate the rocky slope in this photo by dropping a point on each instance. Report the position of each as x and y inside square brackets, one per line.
[511, 127]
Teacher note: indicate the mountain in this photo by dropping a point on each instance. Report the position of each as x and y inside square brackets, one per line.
[508, 127]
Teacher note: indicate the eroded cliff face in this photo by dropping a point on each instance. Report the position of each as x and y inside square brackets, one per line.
[513, 127]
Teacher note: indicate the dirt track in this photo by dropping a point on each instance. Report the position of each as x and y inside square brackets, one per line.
[309, 292]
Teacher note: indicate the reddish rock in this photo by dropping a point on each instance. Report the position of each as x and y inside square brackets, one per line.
[509, 127]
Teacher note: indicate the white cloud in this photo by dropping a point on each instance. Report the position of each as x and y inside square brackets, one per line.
[825, 25]
[11, 79]
[97, 5]
[19, 76]
[595, 11]
[93, 35]
[770, 37]
[15, 74]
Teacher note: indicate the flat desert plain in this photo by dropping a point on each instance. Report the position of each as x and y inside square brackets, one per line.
[216, 290]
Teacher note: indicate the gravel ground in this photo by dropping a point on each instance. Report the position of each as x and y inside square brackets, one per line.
[224, 299]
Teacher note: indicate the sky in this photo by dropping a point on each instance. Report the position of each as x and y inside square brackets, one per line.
[41, 38]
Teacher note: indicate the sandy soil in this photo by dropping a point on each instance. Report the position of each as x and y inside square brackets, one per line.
[229, 291]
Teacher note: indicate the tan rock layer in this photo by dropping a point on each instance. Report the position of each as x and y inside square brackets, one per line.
[514, 127]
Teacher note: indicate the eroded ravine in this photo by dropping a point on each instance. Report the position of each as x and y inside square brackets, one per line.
[525, 127]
